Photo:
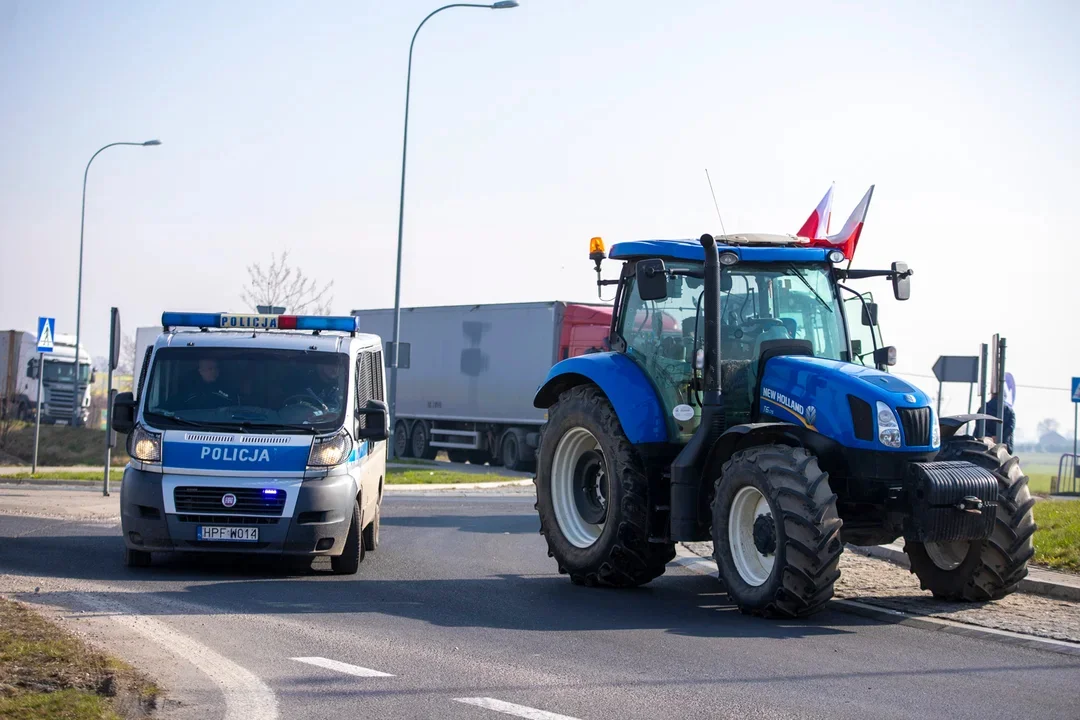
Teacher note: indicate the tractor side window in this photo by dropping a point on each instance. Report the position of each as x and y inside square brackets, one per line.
[864, 338]
[660, 335]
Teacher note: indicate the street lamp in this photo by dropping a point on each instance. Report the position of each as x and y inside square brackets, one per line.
[76, 403]
[502, 5]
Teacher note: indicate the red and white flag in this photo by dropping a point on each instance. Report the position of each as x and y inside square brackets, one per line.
[816, 226]
[848, 237]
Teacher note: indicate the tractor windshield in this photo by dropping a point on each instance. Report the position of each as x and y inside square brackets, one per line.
[758, 302]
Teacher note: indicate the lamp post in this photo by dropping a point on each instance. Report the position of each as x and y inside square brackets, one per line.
[502, 5]
[76, 402]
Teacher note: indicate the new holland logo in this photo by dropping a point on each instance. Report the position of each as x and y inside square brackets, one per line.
[811, 414]
[228, 500]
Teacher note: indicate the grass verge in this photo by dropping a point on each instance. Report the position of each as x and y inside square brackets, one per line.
[1057, 541]
[401, 476]
[82, 476]
[46, 673]
[59, 445]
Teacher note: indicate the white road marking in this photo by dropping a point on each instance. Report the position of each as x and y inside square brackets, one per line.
[506, 708]
[341, 667]
[246, 696]
[694, 563]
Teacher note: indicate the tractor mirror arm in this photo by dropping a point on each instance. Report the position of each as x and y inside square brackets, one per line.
[862, 274]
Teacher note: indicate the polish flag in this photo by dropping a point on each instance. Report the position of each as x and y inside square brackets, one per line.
[816, 226]
[848, 237]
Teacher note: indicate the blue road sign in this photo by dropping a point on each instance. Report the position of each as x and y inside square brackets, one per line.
[46, 330]
[1076, 390]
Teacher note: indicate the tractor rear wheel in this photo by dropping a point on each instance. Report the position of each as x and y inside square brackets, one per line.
[980, 570]
[592, 495]
[776, 532]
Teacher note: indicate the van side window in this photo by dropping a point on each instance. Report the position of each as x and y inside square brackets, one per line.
[369, 379]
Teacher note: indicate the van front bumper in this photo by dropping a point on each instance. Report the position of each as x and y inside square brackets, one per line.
[318, 524]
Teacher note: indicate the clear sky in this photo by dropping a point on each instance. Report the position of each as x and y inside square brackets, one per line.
[532, 130]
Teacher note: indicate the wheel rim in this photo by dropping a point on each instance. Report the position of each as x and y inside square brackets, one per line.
[401, 440]
[579, 487]
[419, 440]
[510, 454]
[948, 555]
[749, 523]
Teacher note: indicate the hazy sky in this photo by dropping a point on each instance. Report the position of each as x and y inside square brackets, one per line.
[532, 130]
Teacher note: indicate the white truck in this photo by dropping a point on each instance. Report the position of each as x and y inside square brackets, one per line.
[19, 375]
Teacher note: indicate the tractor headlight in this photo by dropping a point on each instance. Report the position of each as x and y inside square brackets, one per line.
[144, 445]
[330, 450]
[888, 429]
[935, 431]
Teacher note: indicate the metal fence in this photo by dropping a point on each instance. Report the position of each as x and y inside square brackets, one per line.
[1066, 480]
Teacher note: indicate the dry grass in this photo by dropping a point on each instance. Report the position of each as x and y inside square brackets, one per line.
[46, 673]
[59, 445]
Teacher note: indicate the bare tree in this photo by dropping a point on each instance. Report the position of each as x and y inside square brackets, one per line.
[126, 363]
[282, 285]
[1047, 426]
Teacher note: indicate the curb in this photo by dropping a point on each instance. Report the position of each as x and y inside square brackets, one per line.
[704, 566]
[390, 487]
[1033, 586]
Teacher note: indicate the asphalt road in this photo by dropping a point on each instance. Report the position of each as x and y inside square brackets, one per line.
[460, 614]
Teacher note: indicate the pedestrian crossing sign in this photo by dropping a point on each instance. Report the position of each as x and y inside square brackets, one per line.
[1076, 390]
[46, 330]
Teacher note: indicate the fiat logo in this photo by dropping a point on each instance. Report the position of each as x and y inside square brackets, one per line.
[228, 499]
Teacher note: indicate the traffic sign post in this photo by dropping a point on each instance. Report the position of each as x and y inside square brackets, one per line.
[114, 360]
[46, 331]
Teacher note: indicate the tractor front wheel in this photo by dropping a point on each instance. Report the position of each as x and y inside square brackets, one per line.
[592, 495]
[776, 532]
[980, 570]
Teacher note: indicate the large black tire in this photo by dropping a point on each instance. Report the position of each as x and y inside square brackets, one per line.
[136, 558]
[513, 451]
[420, 442]
[994, 567]
[801, 531]
[402, 446]
[371, 532]
[455, 455]
[348, 562]
[621, 554]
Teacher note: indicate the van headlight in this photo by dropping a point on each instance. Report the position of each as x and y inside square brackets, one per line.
[329, 450]
[144, 445]
[888, 429]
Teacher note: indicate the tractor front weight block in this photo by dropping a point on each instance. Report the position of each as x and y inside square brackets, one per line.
[949, 501]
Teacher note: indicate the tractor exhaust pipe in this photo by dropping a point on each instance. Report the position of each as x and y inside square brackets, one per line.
[689, 466]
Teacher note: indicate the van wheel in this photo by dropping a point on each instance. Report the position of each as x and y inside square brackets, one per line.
[136, 558]
[371, 532]
[348, 562]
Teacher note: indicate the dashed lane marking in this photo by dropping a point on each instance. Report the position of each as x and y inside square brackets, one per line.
[506, 708]
[341, 667]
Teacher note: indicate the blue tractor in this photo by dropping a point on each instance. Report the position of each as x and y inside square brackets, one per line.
[745, 400]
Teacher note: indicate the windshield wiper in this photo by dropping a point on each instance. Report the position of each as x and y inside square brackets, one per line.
[810, 287]
[271, 427]
[178, 420]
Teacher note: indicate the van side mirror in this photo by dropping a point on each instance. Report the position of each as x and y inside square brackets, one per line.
[651, 279]
[32, 368]
[901, 280]
[123, 413]
[377, 421]
[869, 314]
[885, 357]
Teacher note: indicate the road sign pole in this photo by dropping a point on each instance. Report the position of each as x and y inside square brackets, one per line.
[1000, 387]
[37, 414]
[980, 426]
[940, 385]
[114, 357]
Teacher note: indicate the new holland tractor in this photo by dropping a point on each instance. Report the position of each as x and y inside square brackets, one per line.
[745, 400]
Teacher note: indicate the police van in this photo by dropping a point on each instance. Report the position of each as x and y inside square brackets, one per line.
[255, 433]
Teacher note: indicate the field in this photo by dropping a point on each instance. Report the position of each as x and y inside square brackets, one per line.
[59, 445]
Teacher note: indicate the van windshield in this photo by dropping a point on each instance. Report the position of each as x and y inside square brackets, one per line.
[247, 389]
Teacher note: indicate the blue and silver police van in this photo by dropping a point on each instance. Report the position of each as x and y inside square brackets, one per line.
[257, 434]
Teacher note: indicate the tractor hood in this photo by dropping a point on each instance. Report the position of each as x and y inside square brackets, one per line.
[839, 400]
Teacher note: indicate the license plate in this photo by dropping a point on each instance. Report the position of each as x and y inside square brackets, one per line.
[228, 534]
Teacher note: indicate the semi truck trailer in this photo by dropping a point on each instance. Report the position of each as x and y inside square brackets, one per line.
[19, 374]
[468, 374]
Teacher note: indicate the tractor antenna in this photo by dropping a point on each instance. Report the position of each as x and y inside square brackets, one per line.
[715, 204]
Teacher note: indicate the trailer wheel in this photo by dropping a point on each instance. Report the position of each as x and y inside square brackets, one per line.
[421, 442]
[592, 495]
[514, 451]
[402, 446]
[776, 532]
[982, 570]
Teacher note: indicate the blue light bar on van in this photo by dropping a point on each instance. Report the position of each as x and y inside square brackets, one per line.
[234, 321]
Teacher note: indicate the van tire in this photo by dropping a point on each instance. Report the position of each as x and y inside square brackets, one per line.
[348, 562]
